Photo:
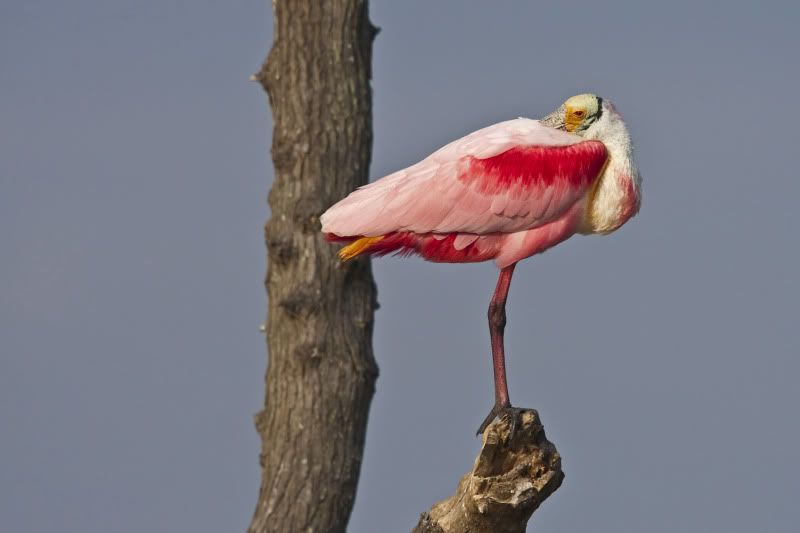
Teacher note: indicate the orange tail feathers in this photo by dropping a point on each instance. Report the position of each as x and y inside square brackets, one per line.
[357, 247]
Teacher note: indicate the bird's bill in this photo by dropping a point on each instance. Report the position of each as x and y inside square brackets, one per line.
[555, 119]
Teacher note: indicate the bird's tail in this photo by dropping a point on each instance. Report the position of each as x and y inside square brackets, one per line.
[357, 247]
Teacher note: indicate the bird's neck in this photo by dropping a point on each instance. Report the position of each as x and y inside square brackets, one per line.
[616, 195]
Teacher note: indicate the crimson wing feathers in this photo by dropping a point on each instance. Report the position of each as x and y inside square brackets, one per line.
[509, 177]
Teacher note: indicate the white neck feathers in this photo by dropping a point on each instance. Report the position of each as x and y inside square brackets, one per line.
[617, 194]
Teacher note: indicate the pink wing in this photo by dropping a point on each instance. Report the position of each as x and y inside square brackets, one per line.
[512, 176]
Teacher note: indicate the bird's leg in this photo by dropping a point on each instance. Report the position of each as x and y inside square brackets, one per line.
[497, 325]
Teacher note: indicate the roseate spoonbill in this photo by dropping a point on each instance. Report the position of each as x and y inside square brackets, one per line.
[505, 192]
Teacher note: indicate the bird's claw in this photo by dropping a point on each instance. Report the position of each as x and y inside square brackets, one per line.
[503, 411]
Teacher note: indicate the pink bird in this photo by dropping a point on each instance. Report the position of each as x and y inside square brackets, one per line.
[502, 193]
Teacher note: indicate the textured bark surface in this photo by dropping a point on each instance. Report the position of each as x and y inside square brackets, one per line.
[509, 481]
[321, 372]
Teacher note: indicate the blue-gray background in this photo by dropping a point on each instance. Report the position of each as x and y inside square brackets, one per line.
[135, 167]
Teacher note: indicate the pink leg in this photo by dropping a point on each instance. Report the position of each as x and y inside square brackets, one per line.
[497, 325]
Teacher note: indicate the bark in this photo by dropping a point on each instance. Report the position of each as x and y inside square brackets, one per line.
[321, 371]
[510, 479]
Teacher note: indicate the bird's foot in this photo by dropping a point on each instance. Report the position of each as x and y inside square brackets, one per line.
[503, 411]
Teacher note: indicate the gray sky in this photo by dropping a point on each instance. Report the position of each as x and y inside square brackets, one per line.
[134, 169]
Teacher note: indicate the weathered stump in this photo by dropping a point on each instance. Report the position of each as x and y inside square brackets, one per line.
[510, 479]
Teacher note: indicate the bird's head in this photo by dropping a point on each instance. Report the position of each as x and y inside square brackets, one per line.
[578, 114]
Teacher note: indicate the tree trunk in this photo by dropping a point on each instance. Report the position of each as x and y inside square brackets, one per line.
[512, 476]
[321, 372]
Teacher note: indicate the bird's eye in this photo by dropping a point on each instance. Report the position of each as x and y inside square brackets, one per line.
[579, 113]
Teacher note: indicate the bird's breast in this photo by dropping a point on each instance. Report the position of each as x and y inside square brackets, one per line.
[612, 201]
